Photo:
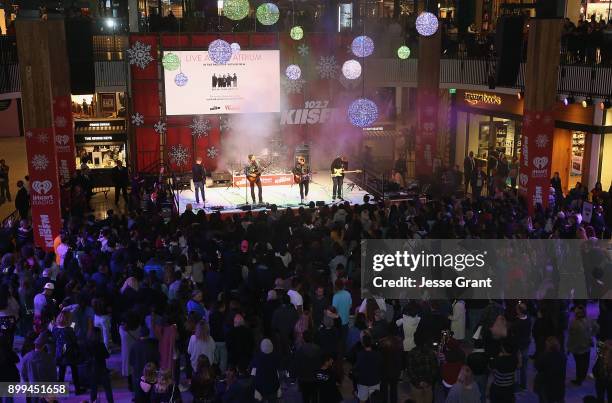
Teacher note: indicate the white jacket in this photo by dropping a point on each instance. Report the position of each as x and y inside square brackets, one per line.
[458, 320]
[409, 325]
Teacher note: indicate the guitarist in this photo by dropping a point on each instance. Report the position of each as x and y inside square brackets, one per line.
[253, 174]
[338, 166]
[301, 173]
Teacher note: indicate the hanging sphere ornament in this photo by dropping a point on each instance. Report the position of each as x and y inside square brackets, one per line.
[362, 46]
[235, 47]
[296, 33]
[426, 24]
[220, 51]
[236, 9]
[293, 72]
[403, 52]
[362, 112]
[181, 79]
[268, 14]
[171, 61]
[351, 69]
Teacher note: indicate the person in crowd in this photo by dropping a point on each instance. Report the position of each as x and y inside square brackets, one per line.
[5, 189]
[423, 370]
[203, 381]
[465, 390]
[457, 319]
[201, 343]
[309, 357]
[199, 180]
[144, 351]
[549, 382]
[98, 372]
[146, 384]
[38, 365]
[469, 166]
[240, 388]
[240, 342]
[520, 330]
[367, 370]
[67, 350]
[602, 371]
[478, 361]
[579, 342]
[121, 180]
[129, 333]
[327, 382]
[165, 389]
[22, 201]
[409, 323]
[503, 367]
[391, 349]
[265, 369]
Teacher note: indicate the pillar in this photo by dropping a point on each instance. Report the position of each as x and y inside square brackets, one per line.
[34, 65]
[592, 148]
[538, 120]
[428, 86]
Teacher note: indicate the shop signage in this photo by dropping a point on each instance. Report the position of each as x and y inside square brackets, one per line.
[99, 124]
[475, 98]
[109, 138]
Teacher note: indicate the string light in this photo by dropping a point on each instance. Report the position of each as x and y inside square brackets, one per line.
[362, 46]
[293, 72]
[171, 61]
[236, 9]
[267, 14]
[362, 112]
[426, 24]
[220, 51]
[403, 52]
[351, 69]
[181, 79]
[296, 33]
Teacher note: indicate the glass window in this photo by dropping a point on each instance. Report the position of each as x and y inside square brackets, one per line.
[100, 156]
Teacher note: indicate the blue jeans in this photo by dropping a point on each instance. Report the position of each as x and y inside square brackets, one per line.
[523, 369]
[200, 186]
[220, 355]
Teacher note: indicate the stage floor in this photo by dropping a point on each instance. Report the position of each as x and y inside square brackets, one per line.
[229, 199]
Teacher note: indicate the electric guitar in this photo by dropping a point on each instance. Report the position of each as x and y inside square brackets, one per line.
[297, 178]
[340, 171]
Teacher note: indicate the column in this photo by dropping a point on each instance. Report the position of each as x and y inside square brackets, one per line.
[592, 148]
[538, 119]
[34, 65]
[428, 87]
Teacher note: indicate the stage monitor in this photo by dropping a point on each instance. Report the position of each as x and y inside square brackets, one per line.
[248, 83]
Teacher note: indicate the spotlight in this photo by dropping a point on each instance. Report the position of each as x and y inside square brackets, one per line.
[520, 95]
[606, 104]
[568, 100]
[110, 23]
[587, 102]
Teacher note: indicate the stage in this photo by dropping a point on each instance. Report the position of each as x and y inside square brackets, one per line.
[229, 199]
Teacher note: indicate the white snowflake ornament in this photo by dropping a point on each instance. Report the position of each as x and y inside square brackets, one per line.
[60, 122]
[303, 50]
[160, 127]
[292, 86]
[327, 67]
[43, 138]
[40, 162]
[140, 54]
[137, 119]
[29, 134]
[179, 155]
[212, 152]
[541, 140]
[200, 127]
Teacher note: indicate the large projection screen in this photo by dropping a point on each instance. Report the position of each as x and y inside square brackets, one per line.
[248, 83]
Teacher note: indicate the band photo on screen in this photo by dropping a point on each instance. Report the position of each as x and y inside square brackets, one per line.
[225, 80]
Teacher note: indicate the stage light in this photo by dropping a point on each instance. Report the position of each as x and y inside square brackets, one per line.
[362, 112]
[235, 47]
[403, 52]
[362, 46]
[220, 51]
[426, 24]
[267, 14]
[293, 72]
[605, 104]
[351, 69]
[171, 61]
[568, 100]
[520, 95]
[587, 102]
[236, 9]
[110, 23]
[181, 79]
[296, 33]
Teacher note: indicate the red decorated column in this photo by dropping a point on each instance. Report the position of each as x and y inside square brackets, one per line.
[538, 117]
[34, 64]
[427, 103]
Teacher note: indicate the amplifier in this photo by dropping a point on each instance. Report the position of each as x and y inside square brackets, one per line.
[221, 178]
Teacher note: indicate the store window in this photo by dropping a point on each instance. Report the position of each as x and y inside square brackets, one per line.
[577, 156]
[345, 17]
[100, 143]
[487, 134]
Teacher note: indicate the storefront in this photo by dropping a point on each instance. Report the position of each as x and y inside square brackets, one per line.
[491, 122]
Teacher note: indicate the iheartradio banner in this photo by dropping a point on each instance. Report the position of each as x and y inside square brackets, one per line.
[45, 190]
[536, 157]
[64, 138]
[425, 142]
[266, 180]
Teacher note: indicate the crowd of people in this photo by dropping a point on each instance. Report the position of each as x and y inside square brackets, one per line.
[231, 308]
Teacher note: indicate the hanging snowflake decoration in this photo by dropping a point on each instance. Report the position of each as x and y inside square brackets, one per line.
[43, 138]
[327, 67]
[40, 162]
[292, 86]
[29, 134]
[225, 124]
[60, 122]
[179, 155]
[137, 119]
[200, 127]
[303, 50]
[541, 140]
[212, 152]
[140, 54]
[160, 127]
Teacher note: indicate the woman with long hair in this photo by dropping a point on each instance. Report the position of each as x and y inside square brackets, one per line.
[148, 380]
[165, 390]
[66, 349]
[465, 390]
[201, 343]
[550, 378]
[129, 333]
[203, 382]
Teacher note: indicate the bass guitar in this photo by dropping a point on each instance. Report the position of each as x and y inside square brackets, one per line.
[340, 171]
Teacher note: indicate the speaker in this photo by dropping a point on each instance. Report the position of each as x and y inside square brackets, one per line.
[79, 44]
[509, 48]
[320, 203]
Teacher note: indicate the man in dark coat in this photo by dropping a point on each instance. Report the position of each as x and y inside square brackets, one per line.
[469, 166]
[22, 201]
[142, 352]
[38, 365]
[121, 180]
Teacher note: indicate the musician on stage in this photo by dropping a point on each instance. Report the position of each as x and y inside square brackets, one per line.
[338, 166]
[253, 174]
[301, 172]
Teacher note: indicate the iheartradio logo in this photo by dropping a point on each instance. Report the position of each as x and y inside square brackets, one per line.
[42, 187]
[62, 140]
[523, 179]
[540, 162]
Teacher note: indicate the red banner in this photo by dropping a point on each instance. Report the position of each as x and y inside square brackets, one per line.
[266, 180]
[425, 142]
[45, 189]
[536, 157]
[64, 138]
